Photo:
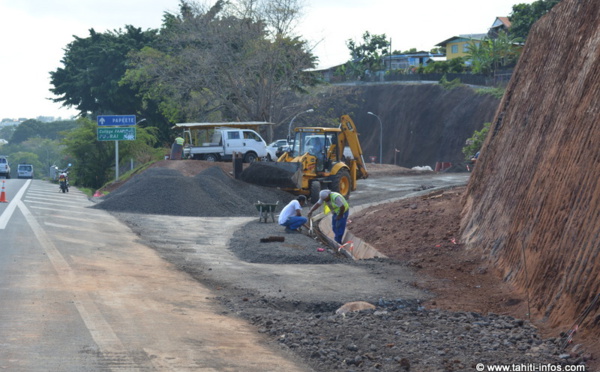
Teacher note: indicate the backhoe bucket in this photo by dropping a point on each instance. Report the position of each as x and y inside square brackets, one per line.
[282, 175]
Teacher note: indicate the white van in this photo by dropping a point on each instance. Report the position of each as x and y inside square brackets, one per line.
[25, 171]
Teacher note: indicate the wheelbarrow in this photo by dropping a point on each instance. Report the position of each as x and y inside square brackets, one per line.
[266, 209]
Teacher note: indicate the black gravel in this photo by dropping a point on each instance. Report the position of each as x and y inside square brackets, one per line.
[297, 249]
[402, 336]
[212, 193]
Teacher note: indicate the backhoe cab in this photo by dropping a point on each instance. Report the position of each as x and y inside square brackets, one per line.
[320, 158]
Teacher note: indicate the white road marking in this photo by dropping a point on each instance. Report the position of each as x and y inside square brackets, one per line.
[86, 211]
[7, 214]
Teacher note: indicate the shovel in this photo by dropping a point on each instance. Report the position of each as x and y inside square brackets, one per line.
[311, 232]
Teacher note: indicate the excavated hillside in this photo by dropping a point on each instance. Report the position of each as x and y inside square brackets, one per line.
[426, 123]
[533, 201]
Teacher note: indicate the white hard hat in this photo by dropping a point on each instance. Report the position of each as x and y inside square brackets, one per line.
[323, 195]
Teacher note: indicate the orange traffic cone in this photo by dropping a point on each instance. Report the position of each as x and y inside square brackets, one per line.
[3, 194]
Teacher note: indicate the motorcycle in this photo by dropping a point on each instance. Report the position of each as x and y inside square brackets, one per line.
[63, 179]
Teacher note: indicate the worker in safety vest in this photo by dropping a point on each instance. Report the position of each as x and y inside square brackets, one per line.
[339, 208]
[177, 148]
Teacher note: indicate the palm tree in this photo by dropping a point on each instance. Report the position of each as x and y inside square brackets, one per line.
[489, 55]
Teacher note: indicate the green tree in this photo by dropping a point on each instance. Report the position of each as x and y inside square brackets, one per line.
[523, 16]
[92, 69]
[491, 54]
[93, 161]
[455, 65]
[48, 152]
[210, 65]
[37, 129]
[366, 57]
[6, 132]
[408, 51]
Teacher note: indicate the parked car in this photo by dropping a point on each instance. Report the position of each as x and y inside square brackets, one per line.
[25, 171]
[4, 166]
[274, 149]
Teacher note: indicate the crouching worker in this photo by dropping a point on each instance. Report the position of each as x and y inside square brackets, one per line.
[339, 207]
[291, 215]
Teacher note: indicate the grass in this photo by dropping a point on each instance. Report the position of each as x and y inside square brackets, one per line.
[497, 92]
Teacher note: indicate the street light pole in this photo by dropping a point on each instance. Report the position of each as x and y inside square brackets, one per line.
[292, 121]
[380, 136]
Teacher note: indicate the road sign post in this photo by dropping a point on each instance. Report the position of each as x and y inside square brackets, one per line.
[120, 130]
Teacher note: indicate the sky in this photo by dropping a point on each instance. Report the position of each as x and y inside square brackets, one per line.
[34, 33]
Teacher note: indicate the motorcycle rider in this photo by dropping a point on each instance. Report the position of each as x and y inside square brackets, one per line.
[63, 179]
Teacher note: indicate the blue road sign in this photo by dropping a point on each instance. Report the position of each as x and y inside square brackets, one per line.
[116, 120]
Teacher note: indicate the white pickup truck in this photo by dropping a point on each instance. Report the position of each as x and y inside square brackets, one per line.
[221, 141]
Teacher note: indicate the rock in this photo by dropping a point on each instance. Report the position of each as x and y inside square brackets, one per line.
[354, 306]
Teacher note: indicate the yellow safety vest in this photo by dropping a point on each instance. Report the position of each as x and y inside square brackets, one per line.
[333, 206]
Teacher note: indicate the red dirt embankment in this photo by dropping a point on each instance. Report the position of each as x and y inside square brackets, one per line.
[533, 201]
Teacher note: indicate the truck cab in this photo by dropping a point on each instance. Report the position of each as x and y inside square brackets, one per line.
[316, 144]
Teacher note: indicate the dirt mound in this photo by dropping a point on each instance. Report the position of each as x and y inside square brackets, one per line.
[211, 193]
[533, 203]
[427, 237]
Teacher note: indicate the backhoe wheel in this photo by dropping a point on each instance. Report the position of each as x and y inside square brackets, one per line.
[341, 183]
[315, 189]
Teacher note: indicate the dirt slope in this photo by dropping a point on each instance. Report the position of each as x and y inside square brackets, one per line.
[533, 201]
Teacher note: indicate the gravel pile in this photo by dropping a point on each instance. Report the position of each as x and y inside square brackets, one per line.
[296, 249]
[402, 336]
[212, 193]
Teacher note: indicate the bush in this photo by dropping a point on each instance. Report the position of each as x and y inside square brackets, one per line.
[476, 141]
[497, 92]
[449, 84]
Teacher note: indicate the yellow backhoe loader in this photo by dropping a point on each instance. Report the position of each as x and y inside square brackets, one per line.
[320, 158]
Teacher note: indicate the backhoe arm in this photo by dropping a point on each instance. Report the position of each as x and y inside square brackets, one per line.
[349, 137]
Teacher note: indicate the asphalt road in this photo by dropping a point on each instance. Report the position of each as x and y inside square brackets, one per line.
[80, 293]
